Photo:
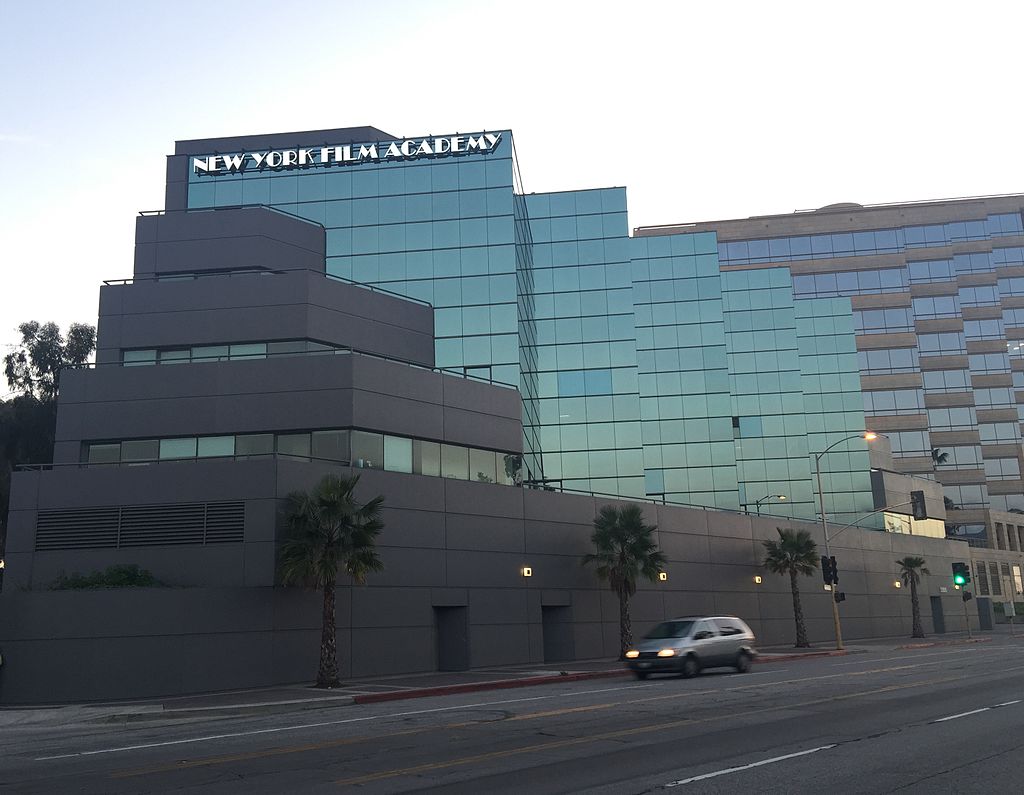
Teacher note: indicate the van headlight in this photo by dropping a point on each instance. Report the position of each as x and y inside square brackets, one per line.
[667, 653]
[632, 654]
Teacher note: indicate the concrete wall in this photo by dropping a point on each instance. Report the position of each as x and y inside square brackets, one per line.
[336, 391]
[221, 309]
[446, 544]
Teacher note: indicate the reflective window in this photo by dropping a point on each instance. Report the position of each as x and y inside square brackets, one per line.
[991, 329]
[216, 446]
[994, 397]
[943, 344]
[989, 363]
[1001, 432]
[454, 462]
[103, 453]
[889, 360]
[330, 445]
[482, 466]
[398, 454]
[955, 418]
[946, 380]
[936, 307]
[136, 358]
[367, 450]
[1012, 286]
[297, 444]
[941, 270]
[985, 295]
[883, 321]
[178, 448]
[140, 450]
[254, 444]
[1002, 468]
[894, 401]
[426, 458]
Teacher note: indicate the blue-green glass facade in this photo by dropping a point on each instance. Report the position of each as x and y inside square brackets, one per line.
[644, 369]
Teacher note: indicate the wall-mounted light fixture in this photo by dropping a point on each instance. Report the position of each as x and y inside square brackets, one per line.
[526, 571]
[663, 575]
[758, 579]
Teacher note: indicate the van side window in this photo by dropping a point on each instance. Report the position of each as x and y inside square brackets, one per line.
[727, 627]
[706, 626]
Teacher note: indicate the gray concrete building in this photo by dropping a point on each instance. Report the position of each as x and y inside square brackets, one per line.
[234, 369]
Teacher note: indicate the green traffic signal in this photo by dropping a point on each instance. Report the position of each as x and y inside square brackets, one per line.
[959, 579]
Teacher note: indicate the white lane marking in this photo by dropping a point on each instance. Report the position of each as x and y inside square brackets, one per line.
[962, 714]
[1007, 703]
[741, 768]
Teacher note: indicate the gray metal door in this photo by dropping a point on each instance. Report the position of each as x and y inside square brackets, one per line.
[452, 638]
[938, 617]
[984, 612]
[556, 624]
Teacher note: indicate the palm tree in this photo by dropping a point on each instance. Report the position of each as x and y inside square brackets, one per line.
[794, 553]
[329, 530]
[939, 457]
[911, 569]
[625, 549]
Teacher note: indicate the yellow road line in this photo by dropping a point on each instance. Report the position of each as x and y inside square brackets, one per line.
[468, 760]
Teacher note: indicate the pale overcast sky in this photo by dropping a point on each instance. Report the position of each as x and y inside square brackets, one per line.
[702, 110]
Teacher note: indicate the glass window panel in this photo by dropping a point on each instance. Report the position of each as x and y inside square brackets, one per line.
[254, 444]
[482, 466]
[426, 458]
[103, 453]
[288, 348]
[367, 450]
[397, 454]
[208, 353]
[140, 450]
[250, 350]
[330, 445]
[178, 448]
[296, 444]
[510, 468]
[216, 446]
[454, 462]
[138, 358]
[178, 356]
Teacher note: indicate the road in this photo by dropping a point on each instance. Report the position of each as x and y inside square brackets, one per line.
[941, 719]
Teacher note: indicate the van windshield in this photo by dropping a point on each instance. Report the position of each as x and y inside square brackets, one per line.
[670, 629]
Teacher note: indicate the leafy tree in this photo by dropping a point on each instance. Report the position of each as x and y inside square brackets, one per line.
[28, 420]
[795, 553]
[34, 367]
[939, 457]
[911, 569]
[625, 550]
[329, 531]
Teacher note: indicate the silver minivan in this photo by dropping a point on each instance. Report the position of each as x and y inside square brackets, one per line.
[688, 645]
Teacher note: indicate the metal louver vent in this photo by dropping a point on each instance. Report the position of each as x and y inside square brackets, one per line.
[141, 526]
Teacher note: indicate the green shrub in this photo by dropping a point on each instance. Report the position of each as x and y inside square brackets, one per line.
[119, 576]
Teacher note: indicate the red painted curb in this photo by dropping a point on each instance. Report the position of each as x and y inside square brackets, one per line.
[506, 684]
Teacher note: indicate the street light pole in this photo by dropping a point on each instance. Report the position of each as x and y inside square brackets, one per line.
[868, 436]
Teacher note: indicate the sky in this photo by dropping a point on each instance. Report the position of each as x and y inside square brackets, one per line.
[703, 110]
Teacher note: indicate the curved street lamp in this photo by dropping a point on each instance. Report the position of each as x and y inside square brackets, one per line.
[769, 498]
[868, 436]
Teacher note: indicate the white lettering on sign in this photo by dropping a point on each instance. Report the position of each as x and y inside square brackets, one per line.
[408, 149]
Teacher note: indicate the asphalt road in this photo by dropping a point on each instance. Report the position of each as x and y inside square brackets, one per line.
[942, 719]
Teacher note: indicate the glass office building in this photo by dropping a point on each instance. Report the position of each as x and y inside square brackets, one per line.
[644, 369]
[938, 299]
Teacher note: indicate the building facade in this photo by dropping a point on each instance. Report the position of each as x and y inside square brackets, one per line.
[643, 369]
[937, 290]
[520, 346]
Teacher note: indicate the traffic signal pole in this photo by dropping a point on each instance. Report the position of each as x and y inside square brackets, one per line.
[828, 552]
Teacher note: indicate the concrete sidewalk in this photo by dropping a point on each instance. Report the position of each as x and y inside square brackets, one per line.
[409, 686]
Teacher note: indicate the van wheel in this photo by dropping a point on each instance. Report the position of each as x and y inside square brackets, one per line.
[690, 667]
[641, 675]
[742, 662]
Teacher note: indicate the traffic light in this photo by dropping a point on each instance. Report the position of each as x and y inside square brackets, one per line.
[829, 571]
[961, 573]
[966, 596]
[917, 505]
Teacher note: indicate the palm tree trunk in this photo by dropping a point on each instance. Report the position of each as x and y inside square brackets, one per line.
[328, 674]
[915, 606]
[798, 613]
[625, 625]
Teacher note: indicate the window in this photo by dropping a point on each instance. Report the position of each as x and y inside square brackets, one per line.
[967, 496]
[999, 432]
[960, 457]
[909, 443]
[949, 419]
[254, 444]
[329, 445]
[997, 397]
[367, 450]
[103, 453]
[936, 307]
[972, 263]
[137, 358]
[454, 462]
[216, 446]
[989, 363]
[894, 401]
[398, 454]
[210, 353]
[252, 350]
[940, 270]
[1002, 468]
[482, 466]
[991, 329]
[985, 295]
[175, 356]
[943, 344]
[889, 360]
[140, 450]
[178, 448]
[946, 380]
[883, 321]
[295, 444]
[426, 458]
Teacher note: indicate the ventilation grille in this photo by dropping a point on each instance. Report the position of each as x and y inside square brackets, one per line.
[141, 526]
